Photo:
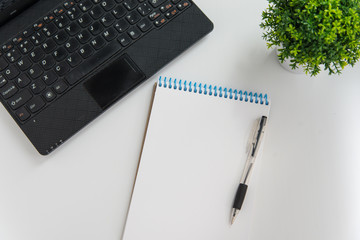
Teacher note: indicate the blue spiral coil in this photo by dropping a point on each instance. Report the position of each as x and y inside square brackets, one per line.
[257, 98]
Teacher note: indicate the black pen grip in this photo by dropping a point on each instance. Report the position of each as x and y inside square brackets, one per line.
[240, 196]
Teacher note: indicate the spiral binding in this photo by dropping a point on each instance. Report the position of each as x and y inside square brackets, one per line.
[257, 98]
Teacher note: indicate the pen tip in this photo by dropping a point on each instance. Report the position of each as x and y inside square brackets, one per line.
[234, 215]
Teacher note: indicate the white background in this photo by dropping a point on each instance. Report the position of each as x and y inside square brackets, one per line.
[307, 183]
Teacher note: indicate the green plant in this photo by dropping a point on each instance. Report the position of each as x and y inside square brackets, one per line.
[314, 32]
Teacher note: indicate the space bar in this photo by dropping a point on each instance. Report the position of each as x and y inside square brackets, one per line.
[94, 61]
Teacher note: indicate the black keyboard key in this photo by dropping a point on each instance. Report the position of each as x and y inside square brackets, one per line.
[119, 11]
[85, 20]
[37, 26]
[48, 62]
[172, 12]
[154, 15]
[37, 38]
[11, 72]
[96, 28]
[96, 12]
[61, 37]
[37, 86]
[49, 95]
[144, 9]
[62, 21]
[62, 68]
[122, 25]
[35, 71]
[37, 54]
[69, 4]
[107, 20]
[23, 80]
[3, 63]
[22, 114]
[58, 11]
[73, 13]
[72, 45]
[8, 90]
[26, 46]
[74, 60]
[60, 87]
[124, 40]
[19, 99]
[17, 40]
[133, 17]
[13, 55]
[86, 51]
[49, 78]
[183, 5]
[166, 7]
[144, 25]
[156, 3]
[97, 42]
[73, 28]
[49, 45]
[130, 4]
[28, 32]
[107, 4]
[49, 18]
[85, 5]
[159, 22]
[175, 1]
[36, 104]
[110, 34]
[84, 36]
[50, 30]
[87, 66]
[3, 81]
[134, 33]
[6, 47]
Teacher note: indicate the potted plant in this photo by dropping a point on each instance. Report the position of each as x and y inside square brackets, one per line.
[314, 33]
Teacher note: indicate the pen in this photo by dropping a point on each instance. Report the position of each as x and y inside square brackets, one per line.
[241, 191]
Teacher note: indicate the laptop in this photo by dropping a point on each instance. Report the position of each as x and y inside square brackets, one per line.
[63, 63]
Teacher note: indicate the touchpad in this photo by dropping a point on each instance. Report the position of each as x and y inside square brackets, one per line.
[114, 81]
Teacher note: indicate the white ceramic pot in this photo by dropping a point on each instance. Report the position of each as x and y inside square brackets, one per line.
[286, 65]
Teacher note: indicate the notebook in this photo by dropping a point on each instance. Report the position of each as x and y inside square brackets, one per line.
[194, 151]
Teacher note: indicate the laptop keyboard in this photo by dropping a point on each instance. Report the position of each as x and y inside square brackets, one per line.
[51, 56]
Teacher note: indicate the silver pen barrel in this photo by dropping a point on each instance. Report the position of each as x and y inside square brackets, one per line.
[255, 146]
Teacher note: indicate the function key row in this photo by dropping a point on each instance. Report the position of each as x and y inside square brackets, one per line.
[84, 20]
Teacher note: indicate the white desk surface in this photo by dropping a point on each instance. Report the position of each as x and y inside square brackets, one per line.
[307, 183]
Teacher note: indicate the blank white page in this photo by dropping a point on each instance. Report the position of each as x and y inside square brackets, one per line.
[194, 152]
